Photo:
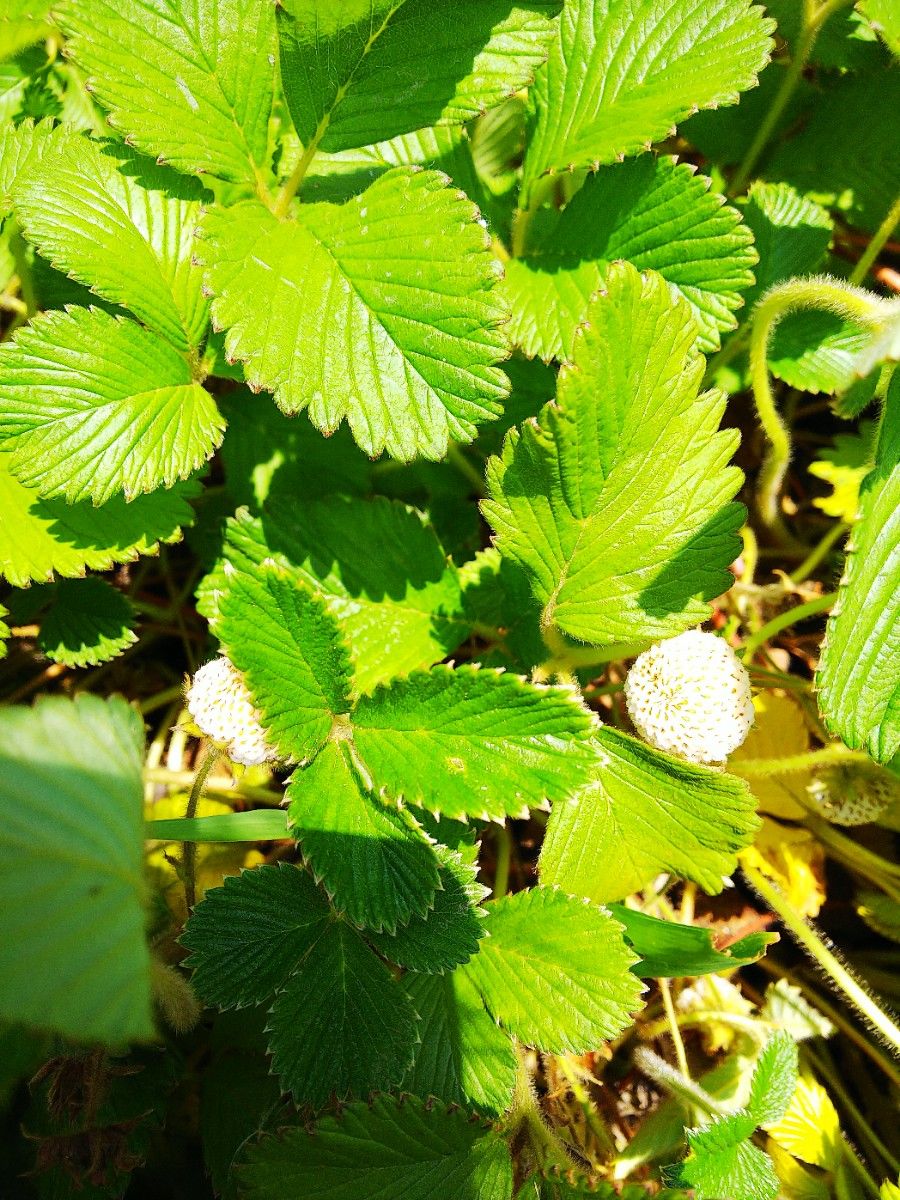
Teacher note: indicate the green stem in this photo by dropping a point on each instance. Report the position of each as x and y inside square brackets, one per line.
[292, 184]
[566, 658]
[161, 699]
[811, 941]
[831, 295]
[189, 854]
[504, 857]
[876, 245]
[814, 19]
[525, 1119]
[815, 556]
[688, 1092]
[458, 459]
[784, 620]
[810, 761]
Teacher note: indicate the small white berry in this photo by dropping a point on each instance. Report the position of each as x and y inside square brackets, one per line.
[853, 793]
[690, 696]
[222, 708]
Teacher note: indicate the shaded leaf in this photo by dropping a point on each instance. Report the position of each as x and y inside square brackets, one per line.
[89, 622]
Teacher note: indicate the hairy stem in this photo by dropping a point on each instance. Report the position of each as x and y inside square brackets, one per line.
[877, 243]
[810, 761]
[784, 621]
[189, 854]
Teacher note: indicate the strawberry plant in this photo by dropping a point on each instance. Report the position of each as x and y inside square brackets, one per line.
[390, 393]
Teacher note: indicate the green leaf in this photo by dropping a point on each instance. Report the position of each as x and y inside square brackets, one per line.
[280, 637]
[448, 934]
[621, 75]
[403, 1149]
[817, 351]
[645, 813]
[40, 538]
[122, 225]
[464, 1058]
[373, 69]
[342, 1025]
[190, 83]
[248, 936]
[860, 180]
[615, 501]
[497, 598]
[21, 149]
[670, 950]
[238, 1094]
[373, 861]
[470, 742]
[657, 214]
[73, 958]
[791, 233]
[257, 825]
[88, 622]
[884, 16]
[92, 405]
[555, 971]
[857, 680]
[723, 1163]
[774, 1079]
[379, 568]
[403, 274]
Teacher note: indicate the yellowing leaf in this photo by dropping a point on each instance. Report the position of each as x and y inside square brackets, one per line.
[810, 1129]
[780, 730]
[795, 861]
[845, 467]
[713, 994]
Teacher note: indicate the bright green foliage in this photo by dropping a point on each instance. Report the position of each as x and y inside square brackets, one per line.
[342, 1025]
[790, 231]
[471, 742]
[279, 635]
[616, 501]
[40, 538]
[248, 935]
[621, 75]
[722, 1161]
[360, 72]
[21, 149]
[88, 622]
[884, 17]
[112, 219]
[644, 813]
[554, 971]
[667, 948]
[74, 959]
[92, 405]
[190, 83]
[657, 214]
[465, 1057]
[816, 351]
[398, 1148]
[448, 934]
[372, 859]
[859, 692]
[403, 274]
[385, 578]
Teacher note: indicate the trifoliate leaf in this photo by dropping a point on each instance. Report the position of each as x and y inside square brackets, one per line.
[403, 274]
[92, 405]
[844, 468]
[373, 861]
[464, 1057]
[861, 179]
[280, 637]
[384, 577]
[615, 501]
[554, 971]
[40, 538]
[247, 936]
[405, 1149]
[810, 1128]
[669, 949]
[774, 1079]
[790, 231]
[342, 1025]
[447, 935]
[470, 742]
[115, 221]
[723, 1162]
[621, 75]
[88, 622]
[644, 813]
[786, 1008]
[350, 80]
[859, 692]
[657, 214]
[192, 84]
[73, 959]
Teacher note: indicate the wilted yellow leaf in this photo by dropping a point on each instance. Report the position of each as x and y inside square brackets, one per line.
[810, 1129]
[793, 859]
[780, 730]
